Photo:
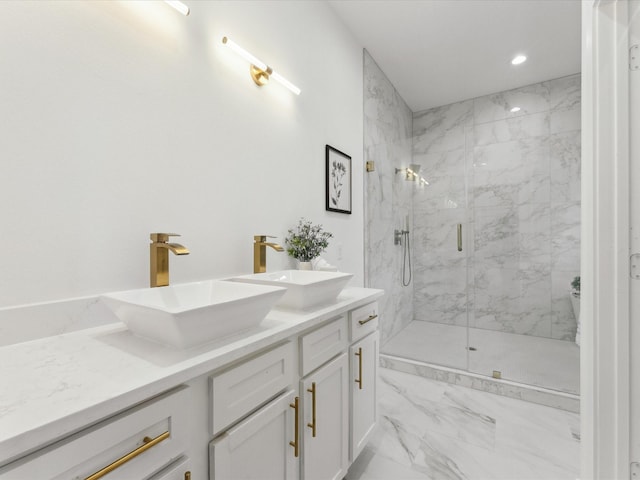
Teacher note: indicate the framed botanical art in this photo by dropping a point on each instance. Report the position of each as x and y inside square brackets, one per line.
[338, 178]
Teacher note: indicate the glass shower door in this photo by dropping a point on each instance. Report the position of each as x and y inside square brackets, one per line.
[440, 224]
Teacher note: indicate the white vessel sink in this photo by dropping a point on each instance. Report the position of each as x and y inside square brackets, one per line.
[191, 314]
[305, 288]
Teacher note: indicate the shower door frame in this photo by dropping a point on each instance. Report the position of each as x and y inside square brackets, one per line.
[634, 159]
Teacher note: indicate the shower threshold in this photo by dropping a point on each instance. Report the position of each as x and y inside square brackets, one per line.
[530, 393]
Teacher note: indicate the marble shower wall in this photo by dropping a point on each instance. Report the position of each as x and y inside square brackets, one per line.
[513, 181]
[388, 197]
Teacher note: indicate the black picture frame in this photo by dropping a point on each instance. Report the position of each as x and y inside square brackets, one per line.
[338, 180]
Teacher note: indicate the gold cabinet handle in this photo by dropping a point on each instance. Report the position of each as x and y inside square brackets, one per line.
[148, 443]
[312, 425]
[359, 380]
[459, 237]
[295, 443]
[187, 475]
[371, 317]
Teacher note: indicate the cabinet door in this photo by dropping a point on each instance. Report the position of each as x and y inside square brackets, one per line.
[325, 446]
[258, 447]
[363, 357]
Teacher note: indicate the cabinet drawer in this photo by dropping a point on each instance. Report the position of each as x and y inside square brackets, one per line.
[323, 344]
[363, 321]
[243, 388]
[141, 441]
[178, 470]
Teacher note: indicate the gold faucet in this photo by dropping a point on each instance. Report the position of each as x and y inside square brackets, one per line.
[260, 245]
[159, 249]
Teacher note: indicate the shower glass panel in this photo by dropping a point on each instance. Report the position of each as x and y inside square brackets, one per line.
[440, 214]
[525, 237]
[438, 332]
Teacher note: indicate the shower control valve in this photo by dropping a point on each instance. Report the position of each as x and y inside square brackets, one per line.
[397, 236]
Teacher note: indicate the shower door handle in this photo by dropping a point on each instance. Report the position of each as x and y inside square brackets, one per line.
[459, 237]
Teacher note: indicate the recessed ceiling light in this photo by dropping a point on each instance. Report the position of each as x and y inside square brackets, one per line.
[515, 109]
[518, 59]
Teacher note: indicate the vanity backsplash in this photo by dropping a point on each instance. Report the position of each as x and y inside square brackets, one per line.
[29, 322]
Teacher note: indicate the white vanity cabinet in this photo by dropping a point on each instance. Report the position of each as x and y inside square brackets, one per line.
[293, 400]
[313, 433]
[137, 443]
[363, 363]
[325, 401]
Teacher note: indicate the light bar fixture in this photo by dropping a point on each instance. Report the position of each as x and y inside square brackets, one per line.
[179, 6]
[260, 71]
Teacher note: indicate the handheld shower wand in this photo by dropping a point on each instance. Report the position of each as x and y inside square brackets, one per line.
[402, 237]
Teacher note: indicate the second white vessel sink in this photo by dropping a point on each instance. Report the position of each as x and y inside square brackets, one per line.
[191, 314]
[305, 288]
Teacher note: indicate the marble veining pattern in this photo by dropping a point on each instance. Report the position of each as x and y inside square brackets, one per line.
[539, 395]
[534, 361]
[434, 430]
[388, 197]
[28, 322]
[513, 181]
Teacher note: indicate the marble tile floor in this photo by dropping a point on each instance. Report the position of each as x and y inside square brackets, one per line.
[434, 430]
[543, 362]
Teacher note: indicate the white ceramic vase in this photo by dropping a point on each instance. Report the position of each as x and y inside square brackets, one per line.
[305, 266]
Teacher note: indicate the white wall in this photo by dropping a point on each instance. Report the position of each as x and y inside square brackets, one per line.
[123, 118]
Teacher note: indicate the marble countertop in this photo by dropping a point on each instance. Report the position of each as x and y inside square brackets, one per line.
[54, 386]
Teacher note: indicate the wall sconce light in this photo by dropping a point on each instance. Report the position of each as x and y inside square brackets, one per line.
[260, 71]
[411, 174]
[179, 6]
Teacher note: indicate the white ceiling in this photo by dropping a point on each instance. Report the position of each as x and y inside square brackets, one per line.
[437, 52]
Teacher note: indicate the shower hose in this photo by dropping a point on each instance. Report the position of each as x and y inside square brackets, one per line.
[406, 259]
